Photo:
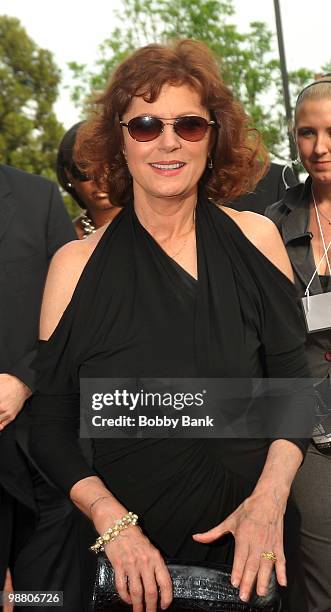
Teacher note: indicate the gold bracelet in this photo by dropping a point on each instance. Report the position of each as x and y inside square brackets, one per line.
[97, 500]
[113, 532]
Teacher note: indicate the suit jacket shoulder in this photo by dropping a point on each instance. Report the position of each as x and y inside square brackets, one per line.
[25, 187]
[33, 225]
[35, 202]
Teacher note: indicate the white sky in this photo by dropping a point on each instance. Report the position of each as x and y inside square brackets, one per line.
[73, 29]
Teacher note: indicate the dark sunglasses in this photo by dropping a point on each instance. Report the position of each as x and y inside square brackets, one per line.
[77, 174]
[146, 128]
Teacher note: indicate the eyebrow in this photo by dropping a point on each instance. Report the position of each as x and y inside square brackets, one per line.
[312, 127]
[185, 114]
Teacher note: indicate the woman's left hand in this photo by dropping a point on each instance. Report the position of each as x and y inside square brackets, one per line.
[257, 526]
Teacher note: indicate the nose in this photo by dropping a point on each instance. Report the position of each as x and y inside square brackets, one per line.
[168, 139]
[322, 144]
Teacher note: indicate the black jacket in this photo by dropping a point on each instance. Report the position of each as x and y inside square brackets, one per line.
[291, 215]
[269, 189]
[33, 225]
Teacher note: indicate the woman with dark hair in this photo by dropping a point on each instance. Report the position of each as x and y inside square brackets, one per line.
[176, 286]
[89, 195]
[304, 219]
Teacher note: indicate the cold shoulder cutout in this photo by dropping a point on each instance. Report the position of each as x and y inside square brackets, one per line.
[135, 314]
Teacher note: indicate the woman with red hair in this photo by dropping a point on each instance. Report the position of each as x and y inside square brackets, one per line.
[177, 285]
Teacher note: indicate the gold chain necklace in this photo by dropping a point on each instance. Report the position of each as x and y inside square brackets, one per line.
[174, 255]
[87, 225]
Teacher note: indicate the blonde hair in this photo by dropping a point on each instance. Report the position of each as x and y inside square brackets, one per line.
[318, 90]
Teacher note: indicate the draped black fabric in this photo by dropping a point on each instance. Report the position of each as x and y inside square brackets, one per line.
[136, 313]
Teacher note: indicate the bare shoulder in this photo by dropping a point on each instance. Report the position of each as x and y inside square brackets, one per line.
[263, 233]
[63, 275]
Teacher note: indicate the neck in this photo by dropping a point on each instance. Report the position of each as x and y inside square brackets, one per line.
[322, 193]
[100, 217]
[166, 218]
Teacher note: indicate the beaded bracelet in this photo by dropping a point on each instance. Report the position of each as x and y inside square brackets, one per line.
[113, 532]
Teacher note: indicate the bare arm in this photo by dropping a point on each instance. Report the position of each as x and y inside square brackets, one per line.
[257, 524]
[263, 233]
[140, 571]
[139, 568]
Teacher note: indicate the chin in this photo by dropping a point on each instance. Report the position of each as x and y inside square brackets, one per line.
[102, 206]
[178, 192]
[321, 177]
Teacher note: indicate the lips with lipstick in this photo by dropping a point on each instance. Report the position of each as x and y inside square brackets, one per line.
[100, 195]
[168, 167]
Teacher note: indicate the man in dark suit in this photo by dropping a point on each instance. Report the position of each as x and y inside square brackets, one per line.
[271, 188]
[33, 225]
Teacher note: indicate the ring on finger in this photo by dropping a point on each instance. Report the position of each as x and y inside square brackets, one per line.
[270, 555]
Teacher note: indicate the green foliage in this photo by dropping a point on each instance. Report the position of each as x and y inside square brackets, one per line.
[29, 80]
[326, 69]
[247, 60]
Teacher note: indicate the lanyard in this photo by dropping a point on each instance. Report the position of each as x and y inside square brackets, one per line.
[321, 231]
[326, 249]
[315, 272]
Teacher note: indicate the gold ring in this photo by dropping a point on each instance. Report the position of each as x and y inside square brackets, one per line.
[268, 555]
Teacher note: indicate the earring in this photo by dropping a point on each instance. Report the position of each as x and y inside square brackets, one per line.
[210, 163]
[69, 185]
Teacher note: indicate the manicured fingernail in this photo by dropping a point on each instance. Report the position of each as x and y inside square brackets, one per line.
[243, 596]
[235, 583]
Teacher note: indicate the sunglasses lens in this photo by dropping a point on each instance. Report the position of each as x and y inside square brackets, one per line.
[191, 128]
[144, 129]
[78, 175]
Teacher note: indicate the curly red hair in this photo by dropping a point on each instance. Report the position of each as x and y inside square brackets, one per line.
[239, 157]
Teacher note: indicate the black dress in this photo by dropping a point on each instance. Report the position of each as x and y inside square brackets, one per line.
[136, 313]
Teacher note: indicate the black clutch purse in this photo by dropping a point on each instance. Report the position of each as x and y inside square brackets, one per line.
[204, 587]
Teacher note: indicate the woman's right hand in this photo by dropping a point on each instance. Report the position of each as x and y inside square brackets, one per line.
[141, 575]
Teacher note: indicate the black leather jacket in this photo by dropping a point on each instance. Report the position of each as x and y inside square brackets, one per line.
[291, 215]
